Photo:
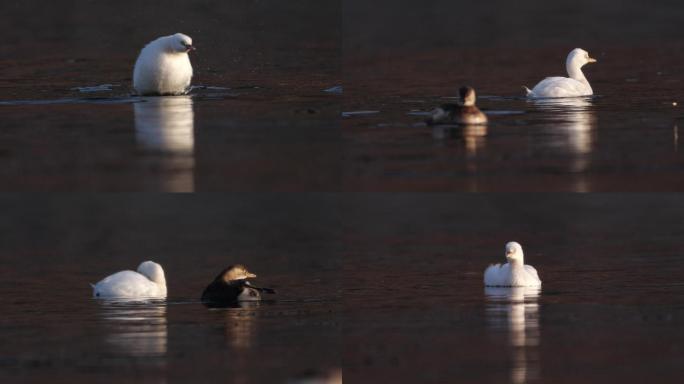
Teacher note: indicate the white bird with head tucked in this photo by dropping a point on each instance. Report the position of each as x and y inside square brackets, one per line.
[573, 86]
[163, 66]
[147, 282]
[514, 273]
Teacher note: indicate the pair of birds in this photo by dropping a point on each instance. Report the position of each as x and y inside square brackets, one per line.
[577, 85]
[148, 282]
[163, 68]
[232, 286]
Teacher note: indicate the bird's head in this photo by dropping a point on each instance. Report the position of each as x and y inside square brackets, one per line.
[578, 57]
[237, 272]
[514, 252]
[152, 271]
[181, 43]
[466, 96]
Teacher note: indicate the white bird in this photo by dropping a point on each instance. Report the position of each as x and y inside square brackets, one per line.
[573, 86]
[514, 273]
[147, 282]
[163, 66]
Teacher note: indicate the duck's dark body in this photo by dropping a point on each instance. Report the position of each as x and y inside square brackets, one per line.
[220, 291]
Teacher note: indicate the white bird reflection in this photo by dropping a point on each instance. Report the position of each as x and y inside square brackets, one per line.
[675, 138]
[164, 129]
[572, 126]
[136, 329]
[575, 120]
[516, 310]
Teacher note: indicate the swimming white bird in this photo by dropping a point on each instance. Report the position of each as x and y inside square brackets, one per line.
[573, 86]
[147, 282]
[514, 273]
[163, 66]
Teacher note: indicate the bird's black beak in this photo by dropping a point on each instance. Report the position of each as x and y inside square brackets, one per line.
[190, 47]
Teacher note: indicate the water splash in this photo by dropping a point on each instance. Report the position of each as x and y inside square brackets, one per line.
[95, 88]
[337, 90]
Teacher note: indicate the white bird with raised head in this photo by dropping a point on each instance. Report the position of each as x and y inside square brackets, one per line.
[573, 86]
[514, 273]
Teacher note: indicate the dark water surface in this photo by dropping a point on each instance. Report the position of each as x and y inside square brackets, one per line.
[380, 286]
[292, 98]
[611, 308]
[207, 142]
[259, 119]
[625, 139]
[53, 330]
[628, 131]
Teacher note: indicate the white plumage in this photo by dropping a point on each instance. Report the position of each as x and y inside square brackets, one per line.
[514, 273]
[573, 86]
[163, 66]
[147, 282]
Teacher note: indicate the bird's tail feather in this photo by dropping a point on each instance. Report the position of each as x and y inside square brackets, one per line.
[267, 290]
[260, 289]
[527, 91]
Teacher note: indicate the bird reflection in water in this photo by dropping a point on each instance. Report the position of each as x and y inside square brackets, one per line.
[573, 122]
[164, 130]
[516, 310]
[240, 323]
[675, 137]
[473, 136]
[571, 128]
[330, 376]
[135, 328]
[240, 320]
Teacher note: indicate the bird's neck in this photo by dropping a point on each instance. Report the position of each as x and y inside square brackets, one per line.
[575, 72]
[516, 262]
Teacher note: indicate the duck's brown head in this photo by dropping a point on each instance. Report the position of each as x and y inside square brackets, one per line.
[236, 272]
[466, 96]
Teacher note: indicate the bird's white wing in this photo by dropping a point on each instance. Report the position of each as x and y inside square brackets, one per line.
[532, 271]
[493, 275]
[559, 87]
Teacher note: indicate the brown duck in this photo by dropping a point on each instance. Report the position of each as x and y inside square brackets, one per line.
[464, 112]
[231, 286]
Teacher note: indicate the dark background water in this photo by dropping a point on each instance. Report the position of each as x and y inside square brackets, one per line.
[611, 307]
[266, 124]
[52, 247]
[276, 129]
[420, 53]
[379, 286]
